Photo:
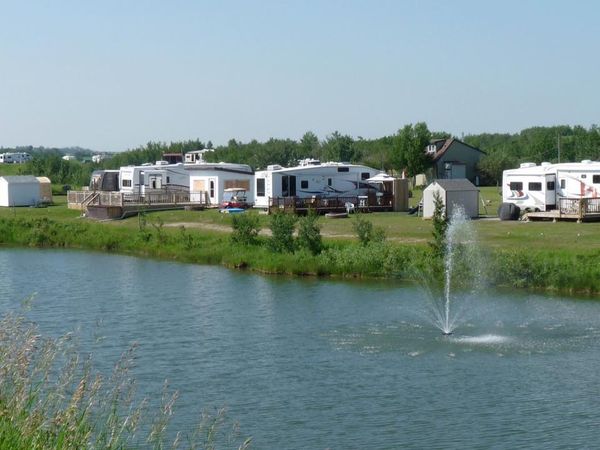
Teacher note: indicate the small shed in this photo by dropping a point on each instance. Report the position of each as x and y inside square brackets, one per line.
[453, 192]
[45, 189]
[21, 190]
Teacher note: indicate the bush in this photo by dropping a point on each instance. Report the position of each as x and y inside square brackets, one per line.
[309, 234]
[282, 232]
[245, 229]
[440, 225]
[366, 232]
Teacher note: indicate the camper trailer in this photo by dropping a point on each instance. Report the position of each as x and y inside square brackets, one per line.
[539, 188]
[209, 182]
[14, 158]
[139, 180]
[311, 178]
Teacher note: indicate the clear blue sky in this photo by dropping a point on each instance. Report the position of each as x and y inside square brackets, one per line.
[111, 75]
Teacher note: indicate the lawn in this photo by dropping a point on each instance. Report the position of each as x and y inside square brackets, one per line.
[399, 227]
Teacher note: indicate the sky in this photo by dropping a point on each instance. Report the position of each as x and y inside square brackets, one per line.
[112, 75]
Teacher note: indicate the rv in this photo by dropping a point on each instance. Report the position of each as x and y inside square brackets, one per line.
[14, 158]
[539, 188]
[311, 178]
[209, 182]
[148, 177]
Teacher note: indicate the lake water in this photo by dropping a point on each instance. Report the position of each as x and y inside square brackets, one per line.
[313, 364]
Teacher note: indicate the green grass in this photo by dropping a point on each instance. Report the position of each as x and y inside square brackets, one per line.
[203, 237]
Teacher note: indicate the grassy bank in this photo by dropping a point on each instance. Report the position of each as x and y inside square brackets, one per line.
[550, 256]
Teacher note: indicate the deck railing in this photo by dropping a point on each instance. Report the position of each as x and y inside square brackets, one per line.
[372, 202]
[580, 207]
[150, 197]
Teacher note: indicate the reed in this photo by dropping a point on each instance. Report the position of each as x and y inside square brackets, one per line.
[52, 398]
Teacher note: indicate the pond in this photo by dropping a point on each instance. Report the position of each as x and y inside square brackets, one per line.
[309, 363]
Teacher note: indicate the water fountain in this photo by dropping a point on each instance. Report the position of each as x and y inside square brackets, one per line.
[461, 278]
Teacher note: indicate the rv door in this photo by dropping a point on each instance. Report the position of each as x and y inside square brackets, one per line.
[288, 186]
[551, 192]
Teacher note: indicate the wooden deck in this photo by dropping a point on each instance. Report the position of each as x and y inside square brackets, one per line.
[324, 205]
[117, 205]
[570, 209]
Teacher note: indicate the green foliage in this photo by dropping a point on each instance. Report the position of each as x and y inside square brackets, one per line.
[440, 225]
[409, 150]
[309, 234]
[245, 229]
[492, 165]
[282, 232]
[58, 170]
[365, 231]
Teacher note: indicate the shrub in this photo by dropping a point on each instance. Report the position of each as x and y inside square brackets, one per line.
[245, 229]
[309, 234]
[282, 232]
[366, 232]
[440, 225]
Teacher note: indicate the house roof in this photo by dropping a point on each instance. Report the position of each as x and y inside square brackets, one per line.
[448, 144]
[13, 179]
[456, 184]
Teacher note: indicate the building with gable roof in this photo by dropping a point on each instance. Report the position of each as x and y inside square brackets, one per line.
[453, 158]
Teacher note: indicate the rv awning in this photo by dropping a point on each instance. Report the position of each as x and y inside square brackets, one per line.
[380, 178]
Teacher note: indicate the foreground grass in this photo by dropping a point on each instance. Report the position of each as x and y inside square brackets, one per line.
[52, 398]
[551, 256]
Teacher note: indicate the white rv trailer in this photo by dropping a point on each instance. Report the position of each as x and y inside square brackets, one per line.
[311, 178]
[14, 158]
[208, 181]
[540, 188]
[139, 179]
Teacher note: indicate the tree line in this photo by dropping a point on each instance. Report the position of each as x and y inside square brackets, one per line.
[401, 151]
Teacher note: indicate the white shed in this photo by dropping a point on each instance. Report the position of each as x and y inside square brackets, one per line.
[22, 190]
[458, 191]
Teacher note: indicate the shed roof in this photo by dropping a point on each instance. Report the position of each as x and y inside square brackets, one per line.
[43, 179]
[456, 184]
[24, 179]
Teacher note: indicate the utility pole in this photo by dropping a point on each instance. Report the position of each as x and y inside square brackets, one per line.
[558, 145]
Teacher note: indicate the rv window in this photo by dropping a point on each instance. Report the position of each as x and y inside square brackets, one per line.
[304, 184]
[260, 187]
[343, 169]
[329, 182]
[126, 183]
[583, 175]
[365, 175]
[516, 186]
[168, 180]
[141, 177]
[212, 188]
[596, 179]
[562, 183]
[535, 186]
[550, 186]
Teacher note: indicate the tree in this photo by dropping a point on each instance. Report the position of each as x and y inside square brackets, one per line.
[409, 153]
[309, 145]
[493, 164]
[339, 147]
[440, 225]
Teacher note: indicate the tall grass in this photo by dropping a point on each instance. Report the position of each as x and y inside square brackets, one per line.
[52, 398]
